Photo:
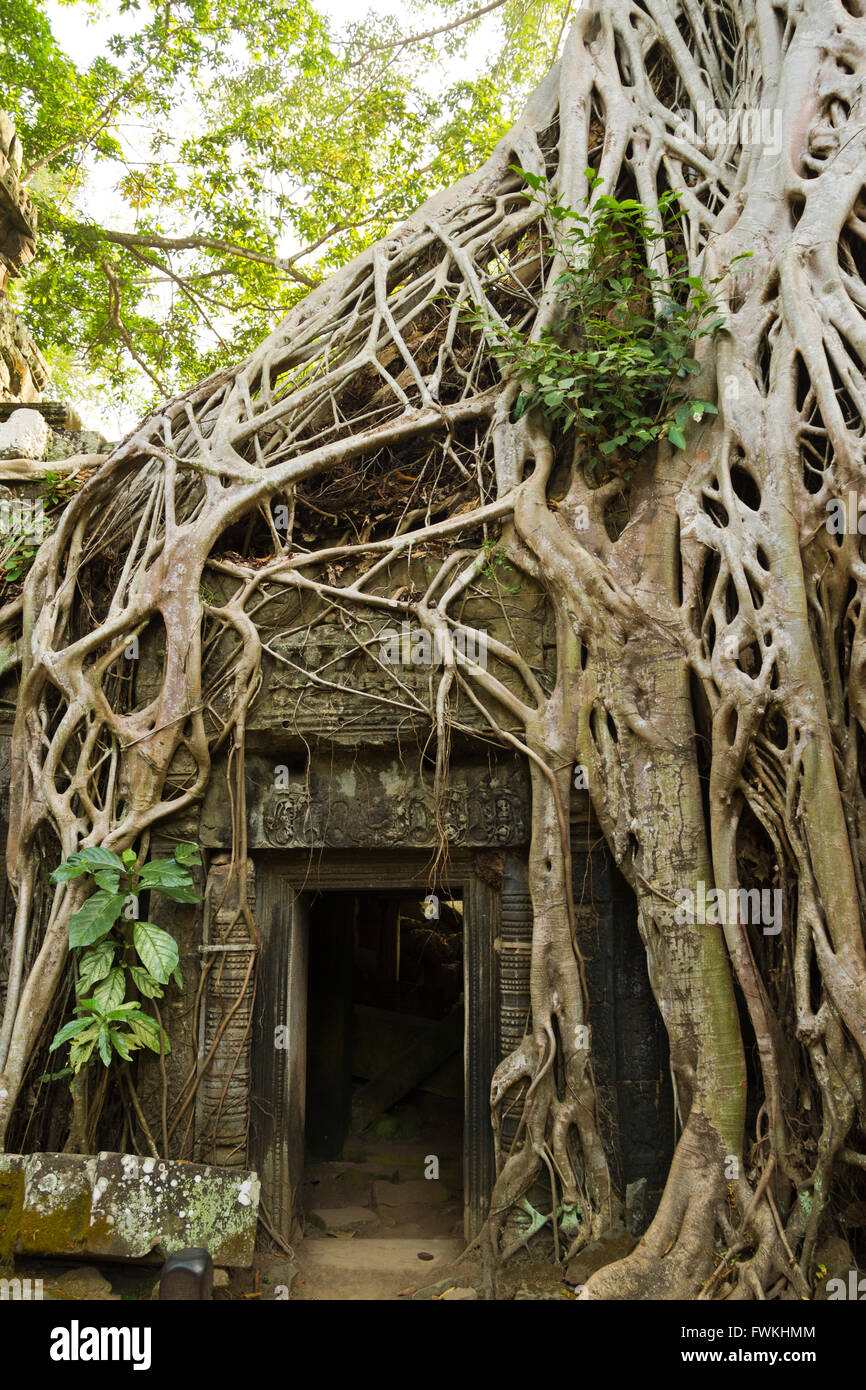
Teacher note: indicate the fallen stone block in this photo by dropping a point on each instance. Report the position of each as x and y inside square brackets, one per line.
[24, 435]
[121, 1206]
[343, 1218]
[86, 1284]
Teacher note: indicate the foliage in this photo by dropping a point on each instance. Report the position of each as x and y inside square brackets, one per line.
[59, 487]
[615, 367]
[20, 540]
[496, 560]
[31, 523]
[115, 950]
[18, 554]
[219, 156]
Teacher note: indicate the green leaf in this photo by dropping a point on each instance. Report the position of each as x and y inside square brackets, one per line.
[171, 879]
[159, 871]
[99, 858]
[535, 181]
[56, 1075]
[157, 950]
[110, 992]
[177, 976]
[73, 867]
[146, 1032]
[129, 858]
[107, 879]
[69, 1030]
[187, 854]
[80, 1053]
[96, 918]
[676, 436]
[103, 1042]
[121, 1045]
[95, 964]
[179, 895]
[145, 983]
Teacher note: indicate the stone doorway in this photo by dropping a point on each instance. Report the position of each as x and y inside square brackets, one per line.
[385, 1073]
[386, 1029]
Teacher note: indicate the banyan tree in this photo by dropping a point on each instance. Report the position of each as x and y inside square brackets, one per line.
[705, 581]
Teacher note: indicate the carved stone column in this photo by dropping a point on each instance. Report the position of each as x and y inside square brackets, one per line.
[225, 1021]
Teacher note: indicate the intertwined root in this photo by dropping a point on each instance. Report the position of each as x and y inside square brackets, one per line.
[709, 626]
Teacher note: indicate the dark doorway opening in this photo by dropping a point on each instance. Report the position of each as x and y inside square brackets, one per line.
[385, 1073]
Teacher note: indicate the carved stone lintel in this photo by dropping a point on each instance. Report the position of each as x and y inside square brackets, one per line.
[384, 807]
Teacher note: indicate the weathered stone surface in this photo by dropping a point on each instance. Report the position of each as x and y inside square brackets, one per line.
[11, 1204]
[376, 683]
[23, 369]
[405, 1194]
[343, 1218]
[124, 1206]
[142, 1204]
[24, 435]
[458, 1295]
[17, 212]
[87, 1284]
[374, 1269]
[55, 1216]
[376, 803]
[636, 1207]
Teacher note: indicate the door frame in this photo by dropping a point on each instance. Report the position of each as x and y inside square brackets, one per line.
[284, 881]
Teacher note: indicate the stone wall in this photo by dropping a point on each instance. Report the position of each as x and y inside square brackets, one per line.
[23, 371]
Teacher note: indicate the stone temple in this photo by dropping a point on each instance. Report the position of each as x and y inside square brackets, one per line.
[389, 969]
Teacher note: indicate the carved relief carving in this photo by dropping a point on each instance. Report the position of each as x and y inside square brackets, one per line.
[479, 809]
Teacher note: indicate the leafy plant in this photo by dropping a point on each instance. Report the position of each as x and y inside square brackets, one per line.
[18, 556]
[115, 949]
[20, 537]
[616, 367]
[496, 559]
[58, 488]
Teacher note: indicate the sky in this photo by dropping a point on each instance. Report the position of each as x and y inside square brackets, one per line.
[84, 39]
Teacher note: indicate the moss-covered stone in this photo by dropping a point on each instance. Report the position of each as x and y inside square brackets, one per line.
[123, 1206]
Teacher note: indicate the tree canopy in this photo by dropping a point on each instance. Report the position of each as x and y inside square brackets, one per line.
[251, 148]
